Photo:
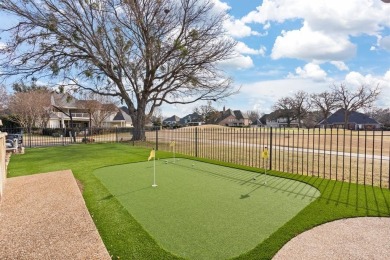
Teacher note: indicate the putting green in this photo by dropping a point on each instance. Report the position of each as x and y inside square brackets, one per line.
[205, 211]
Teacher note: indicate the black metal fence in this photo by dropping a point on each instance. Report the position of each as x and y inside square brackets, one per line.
[351, 156]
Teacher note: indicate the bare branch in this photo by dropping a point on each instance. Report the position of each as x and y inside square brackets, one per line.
[145, 52]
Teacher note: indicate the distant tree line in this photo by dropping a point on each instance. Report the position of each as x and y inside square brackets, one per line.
[308, 109]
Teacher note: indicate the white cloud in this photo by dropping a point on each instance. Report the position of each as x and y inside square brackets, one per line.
[220, 6]
[309, 71]
[307, 44]
[244, 49]
[385, 43]
[265, 94]
[238, 62]
[238, 29]
[356, 79]
[340, 65]
[352, 16]
[327, 26]
[234, 27]
[2, 45]
[387, 76]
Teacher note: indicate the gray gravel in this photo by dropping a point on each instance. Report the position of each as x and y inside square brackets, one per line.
[354, 238]
[43, 216]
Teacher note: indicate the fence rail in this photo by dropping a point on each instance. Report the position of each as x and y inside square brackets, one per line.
[352, 156]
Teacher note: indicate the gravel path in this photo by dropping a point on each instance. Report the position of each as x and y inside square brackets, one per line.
[354, 238]
[43, 216]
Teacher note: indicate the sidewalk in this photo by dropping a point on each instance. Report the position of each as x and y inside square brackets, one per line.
[43, 216]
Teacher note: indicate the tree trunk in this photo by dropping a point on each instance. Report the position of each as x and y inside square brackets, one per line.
[346, 119]
[139, 127]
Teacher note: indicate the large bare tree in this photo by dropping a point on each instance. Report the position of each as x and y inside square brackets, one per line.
[324, 102]
[253, 115]
[382, 115]
[207, 111]
[99, 107]
[31, 108]
[293, 108]
[284, 108]
[352, 100]
[301, 105]
[146, 52]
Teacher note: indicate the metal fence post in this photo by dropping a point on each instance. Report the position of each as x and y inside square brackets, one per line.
[270, 149]
[196, 142]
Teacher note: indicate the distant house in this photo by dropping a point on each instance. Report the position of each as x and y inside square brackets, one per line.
[63, 104]
[171, 121]
[356, 121]
[67, 112]
[232, 118]
[122, 118]
[257, 123]
[191, 120]
[276, 119]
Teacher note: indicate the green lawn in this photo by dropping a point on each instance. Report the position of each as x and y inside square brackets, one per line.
[124, 236]
[205, 211]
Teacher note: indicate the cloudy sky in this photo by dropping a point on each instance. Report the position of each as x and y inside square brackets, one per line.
[290, 45]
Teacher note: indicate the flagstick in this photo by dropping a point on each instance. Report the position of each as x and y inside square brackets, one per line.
[174, 158]
[265, 172]
[154, 172]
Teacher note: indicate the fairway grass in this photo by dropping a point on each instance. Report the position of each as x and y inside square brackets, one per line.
[205, 211]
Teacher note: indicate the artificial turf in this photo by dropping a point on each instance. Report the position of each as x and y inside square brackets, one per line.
[205, 211]
[125, 238]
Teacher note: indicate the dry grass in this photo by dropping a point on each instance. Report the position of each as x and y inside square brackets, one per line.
[351, 156]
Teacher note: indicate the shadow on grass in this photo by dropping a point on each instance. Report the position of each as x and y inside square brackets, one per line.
[247, 195]
[124, 194]
[366, 199]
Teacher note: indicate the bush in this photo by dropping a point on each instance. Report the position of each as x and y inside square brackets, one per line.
[87, 140]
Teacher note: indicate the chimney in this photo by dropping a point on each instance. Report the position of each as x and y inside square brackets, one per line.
[224, 109]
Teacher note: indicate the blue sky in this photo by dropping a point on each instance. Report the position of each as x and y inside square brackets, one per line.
[288, 45]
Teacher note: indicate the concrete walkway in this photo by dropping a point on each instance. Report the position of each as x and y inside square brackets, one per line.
[43, 216]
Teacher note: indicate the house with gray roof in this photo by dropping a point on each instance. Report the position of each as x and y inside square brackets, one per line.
[191, 120]
[232, 118]
[171, 121]
[356, 121]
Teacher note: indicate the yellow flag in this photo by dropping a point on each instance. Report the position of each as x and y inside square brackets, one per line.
[264, 154]
[152, 155]
[172, 144]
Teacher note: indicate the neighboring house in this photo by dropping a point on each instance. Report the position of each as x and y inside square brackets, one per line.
[121, 119]
[257, 123]
[171, 121]
[65, 105]
[276, 121]
[193, 119]
[281, 122]
[71, 112]
[232, 118]
[356, 121]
